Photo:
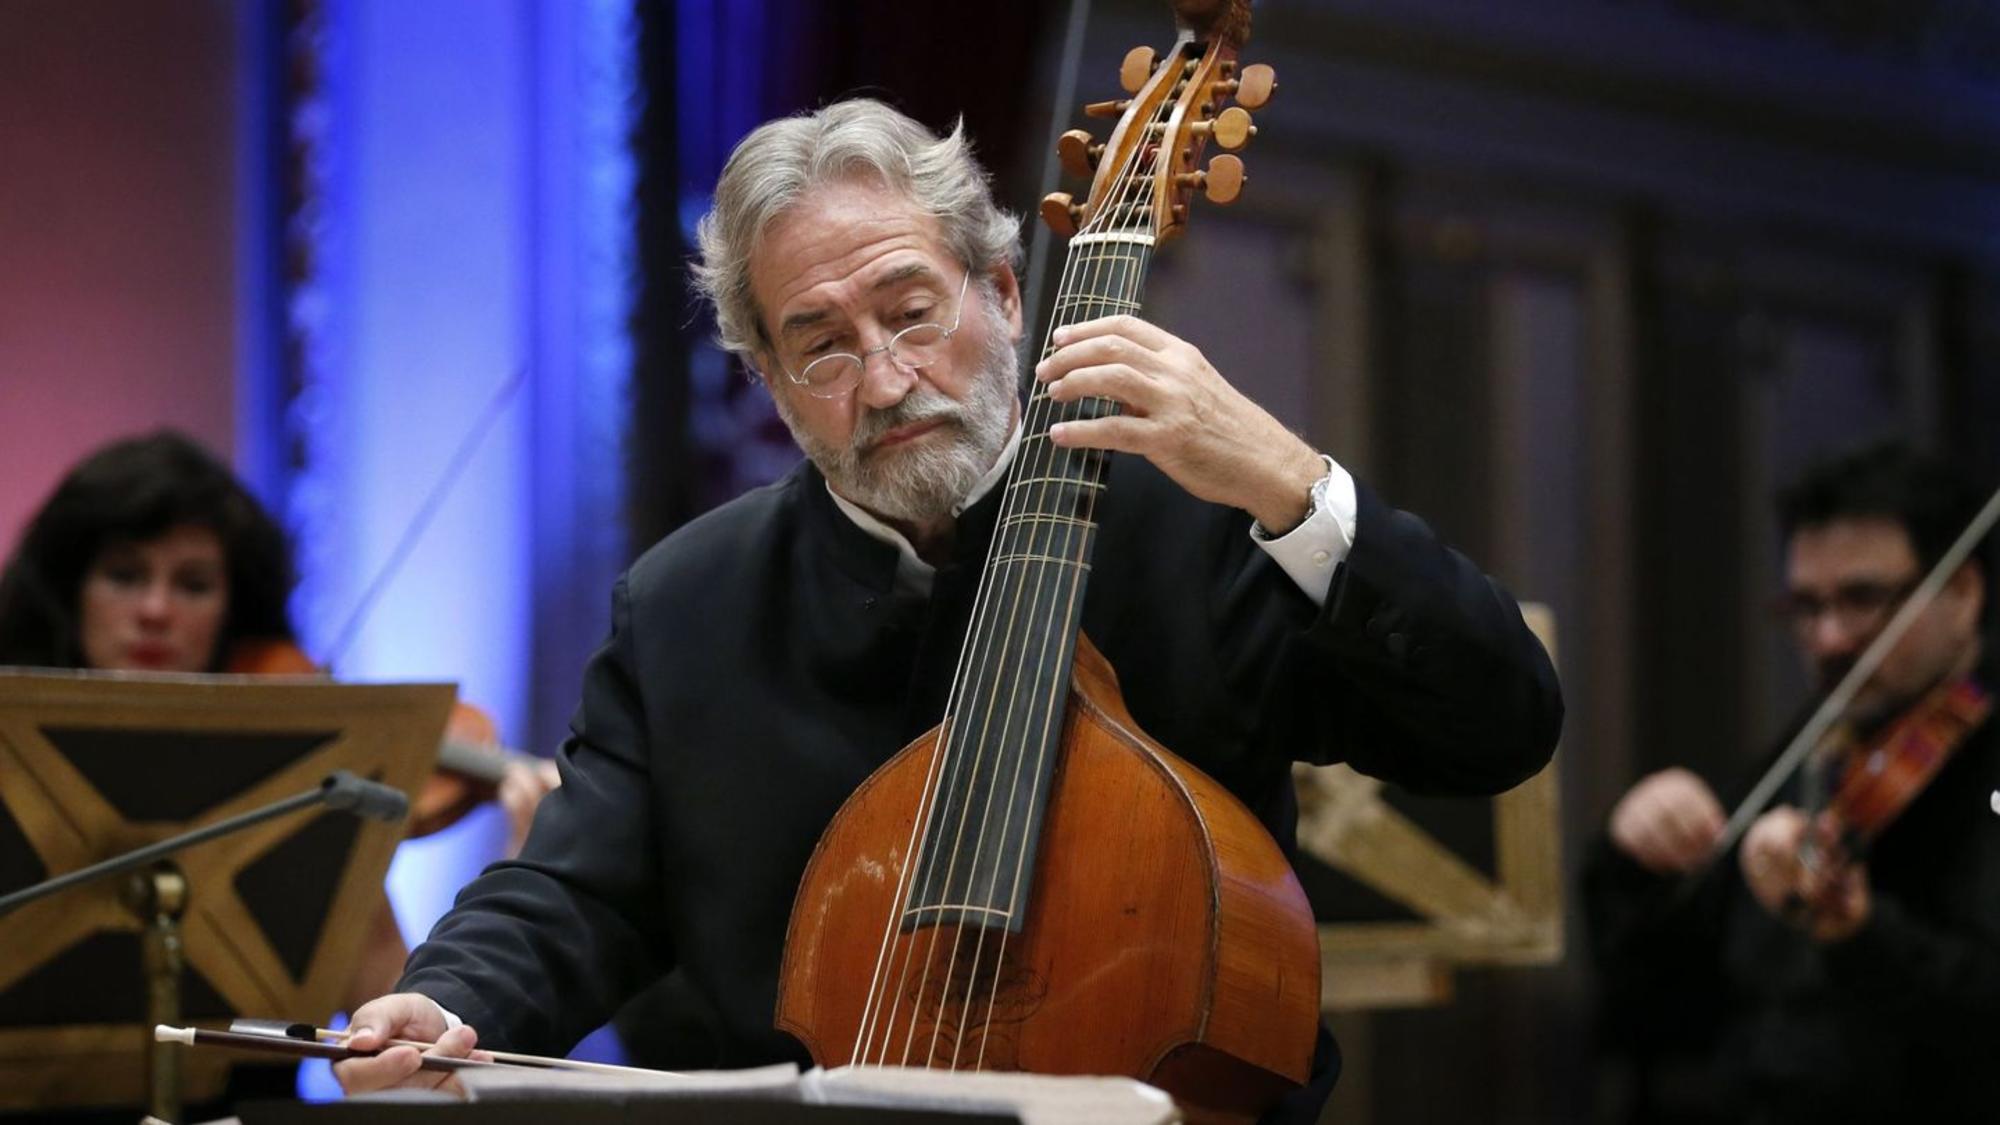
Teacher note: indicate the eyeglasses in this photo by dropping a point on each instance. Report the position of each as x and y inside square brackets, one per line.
[919, 345]
[1858, 607]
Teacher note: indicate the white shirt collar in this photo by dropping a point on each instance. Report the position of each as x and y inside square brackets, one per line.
[873, 525]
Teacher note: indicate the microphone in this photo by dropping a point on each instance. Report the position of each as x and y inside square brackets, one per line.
[341, 790]
[371, 800]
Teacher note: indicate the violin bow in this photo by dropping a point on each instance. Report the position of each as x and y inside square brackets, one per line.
[295, 1048]
[1835, 705]
[303, 1040]
[420, 521]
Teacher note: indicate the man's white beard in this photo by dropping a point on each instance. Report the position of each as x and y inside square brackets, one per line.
[923, 480]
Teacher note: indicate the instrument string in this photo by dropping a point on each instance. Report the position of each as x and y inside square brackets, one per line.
[947, 763]
[1109, 273]
[938, 781]
[1078, 539]
[950, 763]
[1034, 463]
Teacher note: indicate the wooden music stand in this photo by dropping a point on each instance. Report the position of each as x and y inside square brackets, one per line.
[1406, 890]
[95, 764]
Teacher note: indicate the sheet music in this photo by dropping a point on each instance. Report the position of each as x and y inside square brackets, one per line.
[532, 1084]
[1039, 1099]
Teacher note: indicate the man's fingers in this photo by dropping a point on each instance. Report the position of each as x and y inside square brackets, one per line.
[397, 1066]
[1661, 850]
[1669, 821]
[1685, 849]
[406, 1016]
[1702, 809]
[1117, 381]
[1770, 858]
[1103, 351]
[1689, 826]
[1143, 333]
[403, 1065]
[402, 1015]
[1122, 433]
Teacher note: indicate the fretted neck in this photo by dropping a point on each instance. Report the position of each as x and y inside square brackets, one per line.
[1004, 720]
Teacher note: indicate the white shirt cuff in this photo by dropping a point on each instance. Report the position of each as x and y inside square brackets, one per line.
[1312, 551]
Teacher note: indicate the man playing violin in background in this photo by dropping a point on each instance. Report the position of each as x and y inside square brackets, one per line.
[1793, 980]
[1258, 604]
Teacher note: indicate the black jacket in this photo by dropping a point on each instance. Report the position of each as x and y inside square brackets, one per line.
[1729, 1014]
[761, 664]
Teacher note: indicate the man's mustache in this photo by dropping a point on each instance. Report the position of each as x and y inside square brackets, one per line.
[917, 407]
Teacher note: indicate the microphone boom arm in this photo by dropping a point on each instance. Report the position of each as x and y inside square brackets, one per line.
[341, 790]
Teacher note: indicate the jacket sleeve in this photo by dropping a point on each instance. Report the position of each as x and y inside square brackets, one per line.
[539, 951]
[1428, 675]
[1911, 964]
[1655, 948]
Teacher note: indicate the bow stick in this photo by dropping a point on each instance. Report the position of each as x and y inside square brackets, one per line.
[474, 437]
[1834, 706]
[303, 1040]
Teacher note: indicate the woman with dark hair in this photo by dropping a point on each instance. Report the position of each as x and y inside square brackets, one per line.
[149, 555]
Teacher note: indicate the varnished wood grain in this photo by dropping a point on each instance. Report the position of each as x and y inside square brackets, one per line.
[1166, 938]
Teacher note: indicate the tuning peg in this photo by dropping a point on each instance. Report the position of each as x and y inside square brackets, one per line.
[1256, 86]
[1078, 152]
[1063, 214]
[1222, 182]
[1107, 109]
[1137, 67]
[1225, 179]
[1231, 128]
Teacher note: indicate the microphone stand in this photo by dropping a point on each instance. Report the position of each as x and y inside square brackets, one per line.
[160, 895]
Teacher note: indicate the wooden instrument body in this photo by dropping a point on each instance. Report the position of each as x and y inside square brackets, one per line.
[1880, 780]
[1166, 937]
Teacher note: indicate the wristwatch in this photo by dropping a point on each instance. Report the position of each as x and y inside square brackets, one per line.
[1316, 497]
[1316, 502]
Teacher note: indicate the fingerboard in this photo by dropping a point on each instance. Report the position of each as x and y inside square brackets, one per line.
[1003, 726]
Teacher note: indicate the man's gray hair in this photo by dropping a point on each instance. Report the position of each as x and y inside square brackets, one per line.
[861, 139]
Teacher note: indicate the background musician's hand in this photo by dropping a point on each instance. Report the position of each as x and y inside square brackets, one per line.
[401, 1015]
[520, 794]
[1669, 822]
[1183, 416]
[1829, 900]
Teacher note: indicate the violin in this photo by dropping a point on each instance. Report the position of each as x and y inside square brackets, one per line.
[1906, 755]
[1861, 790]
[1873, 784]
[471, 762]
[1125, 914]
